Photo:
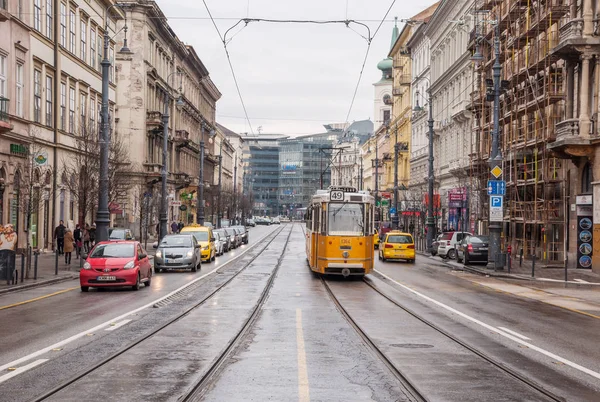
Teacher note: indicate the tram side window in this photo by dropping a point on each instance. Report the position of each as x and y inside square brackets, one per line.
[308, 218]
[323, 221]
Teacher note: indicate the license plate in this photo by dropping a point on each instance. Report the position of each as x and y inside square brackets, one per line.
[166, 260]
[107, 278]
[483, 248]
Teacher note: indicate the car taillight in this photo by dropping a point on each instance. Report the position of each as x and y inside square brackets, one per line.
[470, 248]
[411, 247]
[389, 246]
[448, 242]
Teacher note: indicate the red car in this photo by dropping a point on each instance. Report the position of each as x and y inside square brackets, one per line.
[116, 263]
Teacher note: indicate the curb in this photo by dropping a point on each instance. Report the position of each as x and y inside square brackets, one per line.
[38, 284]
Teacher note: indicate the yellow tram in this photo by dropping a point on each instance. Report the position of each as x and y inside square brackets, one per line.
[339, 232]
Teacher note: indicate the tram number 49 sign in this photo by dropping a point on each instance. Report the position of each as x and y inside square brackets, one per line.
[336, 195]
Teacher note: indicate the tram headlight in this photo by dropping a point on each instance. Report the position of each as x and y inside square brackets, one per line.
[345, 254]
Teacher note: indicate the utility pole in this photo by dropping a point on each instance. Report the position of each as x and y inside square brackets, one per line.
[235, 189]
[219, 193]
[395, 218]
[430, 218]
[495, 161]
[200, 201]
[378, 208]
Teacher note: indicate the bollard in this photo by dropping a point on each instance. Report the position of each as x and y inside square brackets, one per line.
[533, 265]
[56, 261]
[22, 267]
[35, 264]
[521, 258]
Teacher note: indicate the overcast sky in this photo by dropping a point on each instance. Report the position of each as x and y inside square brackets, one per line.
[293, 77]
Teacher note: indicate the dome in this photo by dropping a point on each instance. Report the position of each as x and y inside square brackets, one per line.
[385, 64]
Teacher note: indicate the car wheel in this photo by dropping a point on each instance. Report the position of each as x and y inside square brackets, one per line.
[137, 283]
[85, 288]
[452, 254]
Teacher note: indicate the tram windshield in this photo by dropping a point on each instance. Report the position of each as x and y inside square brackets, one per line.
[346, 219]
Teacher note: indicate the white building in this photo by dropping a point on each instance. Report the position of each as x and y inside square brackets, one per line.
[451, 85]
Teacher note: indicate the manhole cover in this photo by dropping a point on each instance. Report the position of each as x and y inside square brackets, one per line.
[411, 345]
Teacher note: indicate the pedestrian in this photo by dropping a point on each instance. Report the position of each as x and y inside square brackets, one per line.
[158, 229]
[93, 235]
[68, 245]
[86, 238]
[174, 227]
[180, 226]
[78, 236]
[59, 235]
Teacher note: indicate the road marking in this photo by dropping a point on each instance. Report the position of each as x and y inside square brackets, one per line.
[20, 370]
[38, 298]
[494, 329]
[515, 333]
[580, 281]
[303, 389]
[114, 326]
[122, 316]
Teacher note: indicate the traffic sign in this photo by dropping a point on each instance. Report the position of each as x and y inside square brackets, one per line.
[497, 171]
[496, 201]
[392, 210]
[496, 187]
[496, 210]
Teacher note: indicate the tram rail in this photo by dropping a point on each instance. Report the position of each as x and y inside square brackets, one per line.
[191, 393]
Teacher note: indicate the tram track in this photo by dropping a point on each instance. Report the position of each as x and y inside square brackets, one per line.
[139, 340]
[487, 358]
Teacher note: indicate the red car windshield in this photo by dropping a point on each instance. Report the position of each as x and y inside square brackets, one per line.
[126, 250]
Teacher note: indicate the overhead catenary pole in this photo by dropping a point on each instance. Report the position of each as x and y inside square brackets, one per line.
[235, 190]
[219, 193]
[395, 217]
[200, 201]
[430, 181]
[378, 208]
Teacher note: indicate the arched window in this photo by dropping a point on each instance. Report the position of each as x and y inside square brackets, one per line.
[587, 178]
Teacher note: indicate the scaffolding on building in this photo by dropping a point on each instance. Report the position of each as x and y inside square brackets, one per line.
[531, 104]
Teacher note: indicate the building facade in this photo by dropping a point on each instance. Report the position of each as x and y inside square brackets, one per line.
[160, 70]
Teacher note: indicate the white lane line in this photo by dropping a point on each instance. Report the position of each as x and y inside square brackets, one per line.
[114, 326]
[122, 316]
[515, 333]
[580, 281]
[303, 387]
[20, 370]
[499, 332]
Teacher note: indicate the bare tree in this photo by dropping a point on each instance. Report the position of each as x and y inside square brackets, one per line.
[81, 170]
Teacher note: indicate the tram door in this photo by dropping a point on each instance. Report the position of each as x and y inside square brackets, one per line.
[316, 218]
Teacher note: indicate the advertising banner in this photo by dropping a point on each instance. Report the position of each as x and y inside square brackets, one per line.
[585, 236]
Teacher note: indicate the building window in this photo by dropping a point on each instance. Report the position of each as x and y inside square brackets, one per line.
[92, 114]
[20, 9]
[71, 109]
[83, 39]
[587, 177]
[2, 76]
[82, 109]
[19, 93]
[49, 25]
[386, 116]
[72, 31]
[100, 54]
[93, 47]
[63, 104]
[49, 101]
[37, 96]
[111, 57]
[37, 15]
[63, 25]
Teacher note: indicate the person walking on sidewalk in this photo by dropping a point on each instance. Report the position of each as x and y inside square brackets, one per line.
[68, 246]
[174, 227]
[93, 235]
[78, 236]
[86, 238]
[180, 226]
[59, 235]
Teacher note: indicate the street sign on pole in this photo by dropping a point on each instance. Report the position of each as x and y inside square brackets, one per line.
[496, 187]
[497, 171]
[496, 208]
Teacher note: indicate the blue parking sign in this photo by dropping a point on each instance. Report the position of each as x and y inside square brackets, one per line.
[496, 201]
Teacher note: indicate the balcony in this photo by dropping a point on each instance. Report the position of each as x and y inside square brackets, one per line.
[568, 142]
[4, 14]
[571, 37]
[404, 79]
[153, 120]
[5, 125]
[460, 111]
[397, 91]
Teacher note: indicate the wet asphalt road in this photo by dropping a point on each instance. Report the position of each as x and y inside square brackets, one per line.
[300, 347]
[40, 323]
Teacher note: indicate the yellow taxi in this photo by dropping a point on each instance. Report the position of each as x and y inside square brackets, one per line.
[397, 246]
[376, 239]
[205, 238]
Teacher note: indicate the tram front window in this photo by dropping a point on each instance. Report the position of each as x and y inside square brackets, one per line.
[346, 219]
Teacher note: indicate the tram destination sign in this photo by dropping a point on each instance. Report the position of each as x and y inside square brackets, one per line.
[336, 195]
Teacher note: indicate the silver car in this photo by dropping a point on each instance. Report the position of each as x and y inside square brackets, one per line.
[177, 251]
[220, 243]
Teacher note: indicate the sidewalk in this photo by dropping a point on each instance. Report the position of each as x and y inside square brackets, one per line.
[45, 274]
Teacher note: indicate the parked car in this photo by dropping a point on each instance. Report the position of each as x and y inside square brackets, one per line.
[376, 239]
[235, 239]
[220, 242]
[250, 222]
[276, 221]
[178, 251]
[205, 239]
[397, 246]
[472, 249]
[226, 238]
[435, 244]
[115, 234]
[208, 224]
[225, 223]
[448, 242]
[116, 263]
[262, 221]
[384, 227]
[243, 233]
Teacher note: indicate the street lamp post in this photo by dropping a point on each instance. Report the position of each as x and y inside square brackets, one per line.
[395, 218]
[164, 170]
[219, 193]
[103, 213]
[377, 179]
[200, 201]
